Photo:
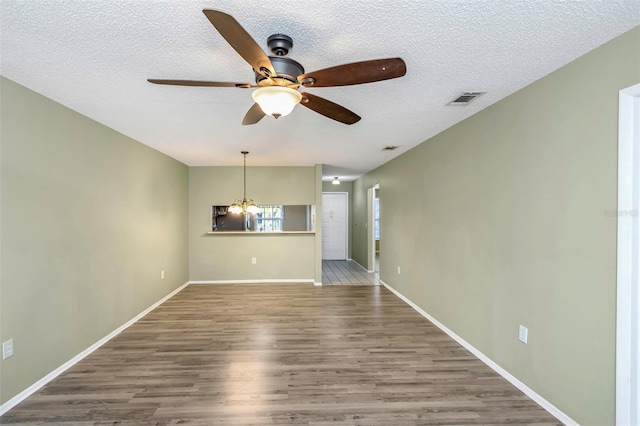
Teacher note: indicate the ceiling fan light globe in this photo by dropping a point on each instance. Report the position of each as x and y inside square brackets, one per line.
[276, 101]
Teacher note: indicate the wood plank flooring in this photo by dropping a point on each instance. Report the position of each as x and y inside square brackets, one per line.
[280, 355]
[346, 272]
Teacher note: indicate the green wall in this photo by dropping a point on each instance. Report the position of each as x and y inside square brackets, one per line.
[508, 227]
[228, 257]
[89, 218]
[348, 188]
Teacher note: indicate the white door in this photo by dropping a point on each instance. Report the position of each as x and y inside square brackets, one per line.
[334, 225]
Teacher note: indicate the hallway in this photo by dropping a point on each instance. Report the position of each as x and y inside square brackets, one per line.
[346, 272]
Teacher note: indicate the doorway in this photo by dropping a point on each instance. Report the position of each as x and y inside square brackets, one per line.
[628, 262]
[335, 229]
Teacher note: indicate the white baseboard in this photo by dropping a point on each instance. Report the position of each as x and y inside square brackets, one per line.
[55, 373]
[501, 371]
[264, 281]
[317, 284]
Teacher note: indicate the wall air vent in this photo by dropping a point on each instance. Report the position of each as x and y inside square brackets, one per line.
[390, 147]
[465, 98]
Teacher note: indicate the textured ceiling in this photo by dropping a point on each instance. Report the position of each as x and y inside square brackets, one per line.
[95, 56]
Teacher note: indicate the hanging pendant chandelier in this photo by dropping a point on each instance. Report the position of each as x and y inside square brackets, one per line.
[243, 205]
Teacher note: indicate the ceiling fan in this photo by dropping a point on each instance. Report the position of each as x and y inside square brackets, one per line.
[278, 78]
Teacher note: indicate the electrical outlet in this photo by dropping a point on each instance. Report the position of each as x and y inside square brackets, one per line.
[254, 260]
[523, 334]
[162, 275]
[7, 349]
[398, 270]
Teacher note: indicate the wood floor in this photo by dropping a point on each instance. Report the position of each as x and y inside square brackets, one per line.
[280, 355]
[346, 272]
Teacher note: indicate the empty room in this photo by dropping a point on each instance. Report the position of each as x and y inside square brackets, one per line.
[323, 212]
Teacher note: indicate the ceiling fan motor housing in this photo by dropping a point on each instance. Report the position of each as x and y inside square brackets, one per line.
[287, 70]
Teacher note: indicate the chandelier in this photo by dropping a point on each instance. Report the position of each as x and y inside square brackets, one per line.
[243, 205]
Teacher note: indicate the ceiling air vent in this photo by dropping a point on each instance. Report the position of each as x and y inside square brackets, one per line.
[390, 147]
[465, 98]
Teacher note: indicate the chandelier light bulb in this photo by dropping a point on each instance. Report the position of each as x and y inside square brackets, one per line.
[252, 208]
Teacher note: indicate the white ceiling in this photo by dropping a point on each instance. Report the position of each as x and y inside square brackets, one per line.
[95, 56]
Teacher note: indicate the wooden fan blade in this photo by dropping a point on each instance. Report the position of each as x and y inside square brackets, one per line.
[355, 73]
[199, 83]
[241, 41]
[329, 109]
[254, 115]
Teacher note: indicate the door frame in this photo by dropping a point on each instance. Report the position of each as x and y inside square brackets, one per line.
[371, 240]
[628, 259]
[346, 221]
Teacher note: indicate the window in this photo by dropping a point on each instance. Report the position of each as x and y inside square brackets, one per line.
[269, 218]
